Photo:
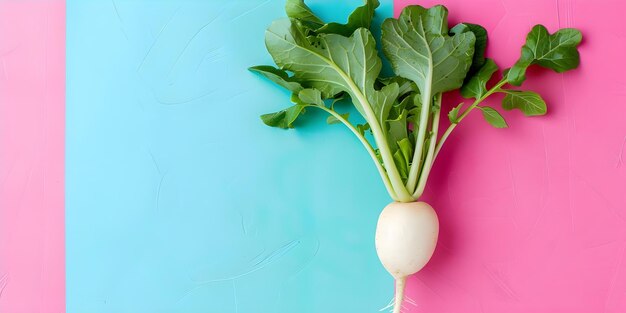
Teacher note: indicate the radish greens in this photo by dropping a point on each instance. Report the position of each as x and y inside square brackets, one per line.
[321, 63]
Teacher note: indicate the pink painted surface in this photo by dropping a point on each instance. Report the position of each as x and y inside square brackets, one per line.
[32, 119]
[533, 218]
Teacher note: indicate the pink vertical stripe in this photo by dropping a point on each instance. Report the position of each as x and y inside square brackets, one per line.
[533, 217]
[32, 127]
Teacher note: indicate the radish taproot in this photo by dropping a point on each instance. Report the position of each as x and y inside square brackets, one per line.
[322, 63]
[406, 236]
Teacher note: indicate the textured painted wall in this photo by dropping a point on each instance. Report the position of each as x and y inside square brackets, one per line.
[179, 198]
[533, 217]
[32, 121]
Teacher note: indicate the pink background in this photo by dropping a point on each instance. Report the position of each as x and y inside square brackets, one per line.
[533, 218]
[32, 119]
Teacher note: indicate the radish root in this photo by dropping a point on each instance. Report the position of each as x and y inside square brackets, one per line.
[400, 284]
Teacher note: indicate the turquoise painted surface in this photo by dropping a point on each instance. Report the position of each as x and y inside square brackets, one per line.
[179, 199]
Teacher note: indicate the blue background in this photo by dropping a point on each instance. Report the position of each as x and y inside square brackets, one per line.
[179, 199]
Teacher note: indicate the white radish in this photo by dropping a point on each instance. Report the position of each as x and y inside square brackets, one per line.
[402, 112]
[406, 236]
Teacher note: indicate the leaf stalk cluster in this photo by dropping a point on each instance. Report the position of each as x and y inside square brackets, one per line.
[325, 64]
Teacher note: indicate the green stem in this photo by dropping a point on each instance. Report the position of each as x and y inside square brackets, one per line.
[368, 147]
[426, 91]
[394, 176]
[452, 126]
[399, 189]
[430, 157]
[403, 195]
[419, 143]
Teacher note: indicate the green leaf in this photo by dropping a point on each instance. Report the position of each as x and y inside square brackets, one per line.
[453, 115]
[362, 128]
[402, 157]
[480, 45]
[333, 120]
[419, 48]
[414, 105]
[283, 118]
[405, 85]
[530, 103]
[339, 97]
[360, 17]
[554, 51]
[278, 76]
[398, 129]
[337, 64]
[311, 96]
[382, 101]
[396, 110]
[476, 86]
[493, 117]
[297, 9]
